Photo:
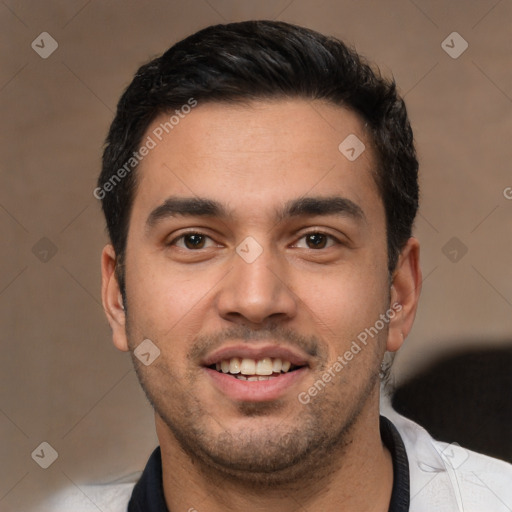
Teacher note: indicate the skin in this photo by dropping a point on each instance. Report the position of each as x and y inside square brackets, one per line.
[219, 453]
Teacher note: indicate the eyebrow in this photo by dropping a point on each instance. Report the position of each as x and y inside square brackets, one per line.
[186, 206]
[332, 205]
[305, 206]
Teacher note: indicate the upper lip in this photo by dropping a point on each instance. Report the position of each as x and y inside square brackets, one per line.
[294, 355]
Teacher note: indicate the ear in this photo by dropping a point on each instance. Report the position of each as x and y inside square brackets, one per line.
[112, 299]
[405, 294]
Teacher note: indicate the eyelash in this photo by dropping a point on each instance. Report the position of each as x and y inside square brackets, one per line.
[183, 235]
[304, 235]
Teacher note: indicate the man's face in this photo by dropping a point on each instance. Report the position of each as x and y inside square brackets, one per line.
[253, 239]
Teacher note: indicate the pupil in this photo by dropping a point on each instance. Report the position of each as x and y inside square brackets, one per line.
[194, 241]
[317, 240]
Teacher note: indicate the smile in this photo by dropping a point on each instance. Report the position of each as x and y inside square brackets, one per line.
[254, 369]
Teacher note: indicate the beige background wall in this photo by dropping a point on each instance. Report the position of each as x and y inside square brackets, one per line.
[61, 380]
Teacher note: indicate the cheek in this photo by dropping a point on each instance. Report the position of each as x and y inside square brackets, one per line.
[163, 300]
[343, 303]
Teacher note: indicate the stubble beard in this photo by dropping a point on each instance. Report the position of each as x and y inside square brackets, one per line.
[271, 454]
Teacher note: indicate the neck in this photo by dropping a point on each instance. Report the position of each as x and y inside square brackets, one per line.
[357, 476]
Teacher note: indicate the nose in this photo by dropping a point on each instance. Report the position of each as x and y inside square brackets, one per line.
[257, 291]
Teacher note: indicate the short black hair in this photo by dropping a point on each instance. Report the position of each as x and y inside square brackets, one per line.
[259, 60]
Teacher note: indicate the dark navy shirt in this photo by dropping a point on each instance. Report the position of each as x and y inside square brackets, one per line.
[148, 493]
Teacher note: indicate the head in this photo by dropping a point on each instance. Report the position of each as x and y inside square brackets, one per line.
[222, 157]
[259, 60]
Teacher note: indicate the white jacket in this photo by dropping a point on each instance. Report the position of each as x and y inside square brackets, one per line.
[448, 478]
[443, 478]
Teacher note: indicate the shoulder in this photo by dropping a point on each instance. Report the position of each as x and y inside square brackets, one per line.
[448, 477]
[91, 498]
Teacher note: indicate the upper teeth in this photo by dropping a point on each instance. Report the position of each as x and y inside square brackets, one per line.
[245, 366]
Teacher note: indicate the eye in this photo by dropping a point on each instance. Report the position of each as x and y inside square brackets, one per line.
[191, 241]
[316, 240]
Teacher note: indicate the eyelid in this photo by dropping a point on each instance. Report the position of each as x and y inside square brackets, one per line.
[183, 234]
[192, 231]
[318, 231]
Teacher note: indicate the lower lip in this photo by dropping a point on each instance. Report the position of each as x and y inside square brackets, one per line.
[258, 390]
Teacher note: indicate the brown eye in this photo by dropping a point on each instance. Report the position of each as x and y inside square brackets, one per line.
[316, 240]
[193, 246]
[194, 241]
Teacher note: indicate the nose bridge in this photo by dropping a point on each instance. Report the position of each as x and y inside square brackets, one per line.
[256, 287]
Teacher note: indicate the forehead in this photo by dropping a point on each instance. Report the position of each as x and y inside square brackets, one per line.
[255, 156]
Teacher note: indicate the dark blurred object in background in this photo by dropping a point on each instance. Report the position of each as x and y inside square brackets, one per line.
[464, 398]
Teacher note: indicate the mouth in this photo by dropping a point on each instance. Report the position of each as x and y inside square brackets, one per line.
[256, 373]
[253, 370]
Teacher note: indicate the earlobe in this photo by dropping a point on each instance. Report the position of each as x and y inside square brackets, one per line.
[405, 293]
[112, 298]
